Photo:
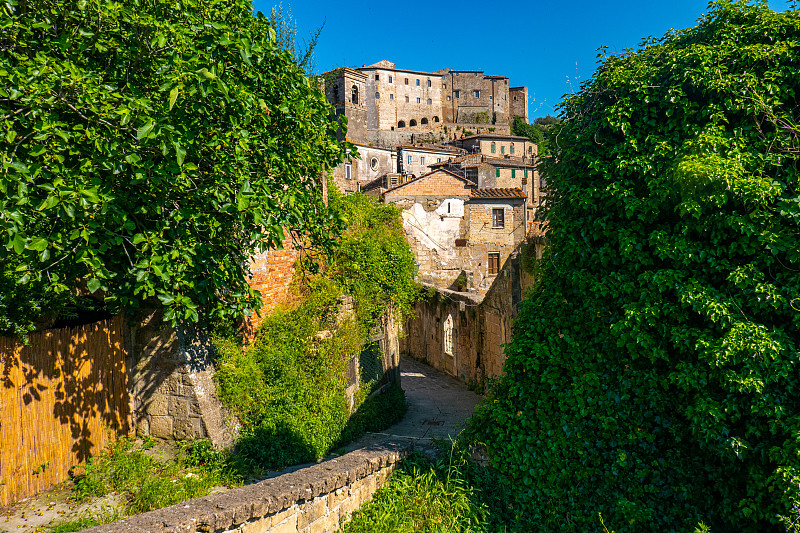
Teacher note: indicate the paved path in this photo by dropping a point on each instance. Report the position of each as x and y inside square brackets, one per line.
[438, 406]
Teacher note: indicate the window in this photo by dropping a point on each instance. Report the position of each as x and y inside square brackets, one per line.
[348, 172]
[502, 149]
[494, 263]
[406, 81]
[448, 98]
[494, 148]
[512, 148]
[429, 83]
[377, 96]
[377, 77]
[436, 119]
[412, 122]
[422, 161]
[390, 79]
[336, 94]
[456, 93]
[526, 173]
[439, 160]
[354, 95]
[401, 124]
[490, 97]
[444, 86]
[418, 100]
[447, 341]
[513, 173]
[477, 94]
[498, 218]
[424, 121]
[409, 160]
[417, 83]
[373, 163]
[406, 99]
[430, 101]
[391, 96]
[497, 172]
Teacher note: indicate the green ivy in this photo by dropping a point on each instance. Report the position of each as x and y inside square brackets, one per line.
[653, 376]
[288, 389]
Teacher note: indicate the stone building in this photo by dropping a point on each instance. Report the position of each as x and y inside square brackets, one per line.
[461, 234]
[385, 105]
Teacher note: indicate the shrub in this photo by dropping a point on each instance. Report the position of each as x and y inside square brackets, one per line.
[653, 374]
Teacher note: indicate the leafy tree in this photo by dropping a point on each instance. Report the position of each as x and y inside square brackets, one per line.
[148, 149]
[653, 376]
[538, 132]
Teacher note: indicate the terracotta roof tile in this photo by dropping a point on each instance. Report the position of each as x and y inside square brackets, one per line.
[498, 193]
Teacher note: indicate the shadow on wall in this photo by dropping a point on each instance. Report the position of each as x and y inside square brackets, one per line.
[63, 397]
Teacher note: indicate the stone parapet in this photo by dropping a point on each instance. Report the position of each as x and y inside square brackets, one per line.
[315, 499]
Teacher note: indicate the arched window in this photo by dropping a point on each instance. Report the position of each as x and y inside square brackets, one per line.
[512, 148]
[401, 124]
[424, 121]
[335, 94]
[354, 95]
[412, 123]
[447, 341]
[436, 119]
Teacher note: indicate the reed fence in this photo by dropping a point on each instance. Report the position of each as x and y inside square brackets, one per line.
[63, 398]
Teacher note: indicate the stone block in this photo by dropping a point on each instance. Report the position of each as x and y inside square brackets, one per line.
[158, 405]
[337, 496]
[161, 427]
[260, 525]
[178, 407]
[183, 429]
[288, 525]
[312, 511]
[324, 524]
[286, 513]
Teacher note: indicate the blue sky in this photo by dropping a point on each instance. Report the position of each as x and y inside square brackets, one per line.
[550, 47]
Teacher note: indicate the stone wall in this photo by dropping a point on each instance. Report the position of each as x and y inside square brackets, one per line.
[480, 326]
[172, 389]
[316, 499]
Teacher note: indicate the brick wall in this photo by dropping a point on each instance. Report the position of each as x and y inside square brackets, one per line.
[271, 274]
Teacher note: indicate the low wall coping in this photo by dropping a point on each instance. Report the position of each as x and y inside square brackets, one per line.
[224, 510]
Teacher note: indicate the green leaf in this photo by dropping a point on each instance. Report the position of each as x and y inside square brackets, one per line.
[145, 130]
[93, 284]
[180, 152]
[173, 96]
[19, 243]
[38, 244]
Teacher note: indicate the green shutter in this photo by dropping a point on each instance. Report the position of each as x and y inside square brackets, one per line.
[512, 148]
[494, 148]
[497, 172]
[513, 173]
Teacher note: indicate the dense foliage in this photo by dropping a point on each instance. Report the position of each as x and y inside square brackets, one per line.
[653, 376]
[288, 389]
[538, 132]
[148, 149]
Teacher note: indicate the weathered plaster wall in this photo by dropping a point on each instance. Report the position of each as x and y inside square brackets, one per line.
[317, 499]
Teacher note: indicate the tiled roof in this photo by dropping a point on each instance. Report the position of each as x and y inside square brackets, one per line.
[498, 193]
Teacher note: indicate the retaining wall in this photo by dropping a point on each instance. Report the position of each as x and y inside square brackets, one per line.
[315, 499]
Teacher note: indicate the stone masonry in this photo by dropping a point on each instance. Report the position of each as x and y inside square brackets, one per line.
[172, 388]
[317, 499]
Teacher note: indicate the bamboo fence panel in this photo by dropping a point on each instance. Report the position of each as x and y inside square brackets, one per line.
[63, 398]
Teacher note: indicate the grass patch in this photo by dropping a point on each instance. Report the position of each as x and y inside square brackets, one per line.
[447, 496]
[148, 483]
